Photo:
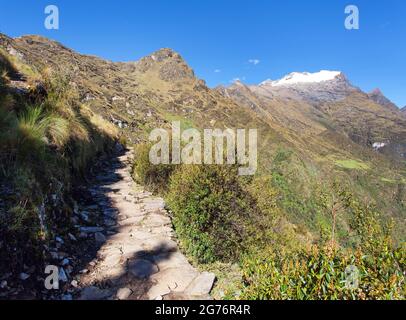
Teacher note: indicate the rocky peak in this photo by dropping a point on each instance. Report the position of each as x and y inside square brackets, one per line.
[165, 54]
[170, 65]
[377, 96]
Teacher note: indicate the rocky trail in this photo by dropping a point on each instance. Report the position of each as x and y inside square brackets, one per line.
[137, 256]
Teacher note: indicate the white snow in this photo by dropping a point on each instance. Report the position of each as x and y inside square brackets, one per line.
[378, 145]
[305, 77]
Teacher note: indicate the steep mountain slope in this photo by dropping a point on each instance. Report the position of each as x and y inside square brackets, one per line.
[310, 132]
[311, 87]
[377, 96]
[328, 100]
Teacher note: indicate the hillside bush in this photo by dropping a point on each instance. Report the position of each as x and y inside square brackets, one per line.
[323, 274]
[212, 212]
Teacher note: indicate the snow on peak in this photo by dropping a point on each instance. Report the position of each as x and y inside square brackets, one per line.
[305, 77]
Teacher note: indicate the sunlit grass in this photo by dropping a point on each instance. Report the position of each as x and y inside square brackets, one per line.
[352, 164]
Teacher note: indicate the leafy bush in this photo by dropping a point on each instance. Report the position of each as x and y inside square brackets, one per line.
[211, 211]
[322, 274]
[154, 177]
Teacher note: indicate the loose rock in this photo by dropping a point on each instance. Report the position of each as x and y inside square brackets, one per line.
[123, 293]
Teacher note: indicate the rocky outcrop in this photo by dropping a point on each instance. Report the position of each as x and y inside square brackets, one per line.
[378, 97]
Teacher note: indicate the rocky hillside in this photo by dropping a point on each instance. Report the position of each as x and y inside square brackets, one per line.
[313, 129]
[377, 96]
[327, 100]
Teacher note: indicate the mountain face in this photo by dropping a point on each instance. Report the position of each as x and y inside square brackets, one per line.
[328, 98]
[313, 128]
[377, 96]
[311, 87]
[403, 110]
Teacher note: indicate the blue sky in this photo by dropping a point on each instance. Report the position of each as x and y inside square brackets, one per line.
[224, 35]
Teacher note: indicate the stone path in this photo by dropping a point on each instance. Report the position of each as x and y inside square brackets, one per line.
[138, 257]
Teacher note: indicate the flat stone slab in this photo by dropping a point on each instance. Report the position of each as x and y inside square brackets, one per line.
[176, 279]
[171, 260]
[201, 285]
[142, 269]
[91, 229]
[94, 293]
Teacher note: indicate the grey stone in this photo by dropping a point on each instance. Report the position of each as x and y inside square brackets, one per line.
[91, 229]
[109, 222]
[85, 216]
[24, 276]
[142, 269]
[201, 285]
[67, 297]
[3, 284]
[72, 237]
[65, 262]
[59, 240]
[94, 293]
[124, 293]
[54, 255]
[62, 275]
[100, 237]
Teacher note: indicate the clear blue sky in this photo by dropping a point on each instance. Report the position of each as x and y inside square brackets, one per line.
[223, 35]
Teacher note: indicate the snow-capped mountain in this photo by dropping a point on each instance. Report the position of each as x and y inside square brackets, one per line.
[312, 87]
[296, 78]
[326, 100]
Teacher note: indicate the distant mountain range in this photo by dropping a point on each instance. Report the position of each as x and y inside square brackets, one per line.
[367, 118]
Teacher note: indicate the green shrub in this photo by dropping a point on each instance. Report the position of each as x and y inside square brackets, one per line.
[321, 274]
[154, 177]
[211, 211]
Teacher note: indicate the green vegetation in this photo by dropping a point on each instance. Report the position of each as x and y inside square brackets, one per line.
[211, 211]
[352, 164]
[153, 177]
[47, 141]
[223, 220]
[314, 204]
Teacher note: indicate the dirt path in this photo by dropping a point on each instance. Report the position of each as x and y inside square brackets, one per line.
[138, 257]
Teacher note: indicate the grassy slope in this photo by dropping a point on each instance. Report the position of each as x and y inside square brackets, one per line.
[47, 141]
